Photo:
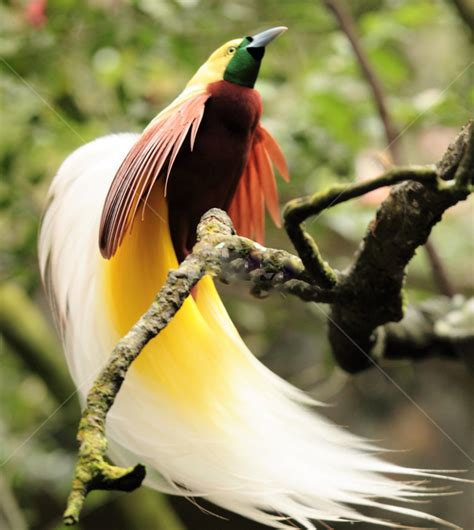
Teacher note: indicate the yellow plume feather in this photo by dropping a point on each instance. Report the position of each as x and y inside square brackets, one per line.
[198, 359]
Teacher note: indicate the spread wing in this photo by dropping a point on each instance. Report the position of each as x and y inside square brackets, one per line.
[155, 150]
[257, 187]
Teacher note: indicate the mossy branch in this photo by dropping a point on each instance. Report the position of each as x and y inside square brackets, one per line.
[298, 210]
[365, 300]
[218, 252]
[440, 326]
[349, 28]
[372, 287]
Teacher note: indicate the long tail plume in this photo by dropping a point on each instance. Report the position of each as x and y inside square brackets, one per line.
[197, 408]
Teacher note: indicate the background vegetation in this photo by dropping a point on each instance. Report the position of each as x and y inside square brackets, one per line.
[72, 71]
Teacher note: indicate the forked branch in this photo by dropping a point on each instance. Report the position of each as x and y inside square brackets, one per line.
[365, 300]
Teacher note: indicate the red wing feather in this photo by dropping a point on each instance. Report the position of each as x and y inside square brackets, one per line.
[257, 187]
[275, 153]
[256, 202]
[159, 145]
[267, 183]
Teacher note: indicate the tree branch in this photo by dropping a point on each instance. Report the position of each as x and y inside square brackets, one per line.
[466, 14]
[439, 326]
[348, 27]
[297, 211]
[218, 252]
[372, 288]
[365, 297]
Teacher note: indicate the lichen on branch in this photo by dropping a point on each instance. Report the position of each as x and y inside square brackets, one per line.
[218, 252]
[372, 287]
[366, 301]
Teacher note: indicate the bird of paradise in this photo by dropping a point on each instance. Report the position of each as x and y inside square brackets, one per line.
[204, 415]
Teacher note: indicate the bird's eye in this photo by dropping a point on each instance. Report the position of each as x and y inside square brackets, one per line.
[231, 50]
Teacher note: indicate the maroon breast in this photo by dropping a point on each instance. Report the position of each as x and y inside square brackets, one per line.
[208, 176]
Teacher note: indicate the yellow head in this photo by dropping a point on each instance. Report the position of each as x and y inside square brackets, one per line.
[237, 61]
[213, 69]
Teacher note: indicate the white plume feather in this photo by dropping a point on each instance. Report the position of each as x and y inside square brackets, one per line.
[279, 461]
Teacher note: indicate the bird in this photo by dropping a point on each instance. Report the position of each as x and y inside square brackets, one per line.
[204, 415]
